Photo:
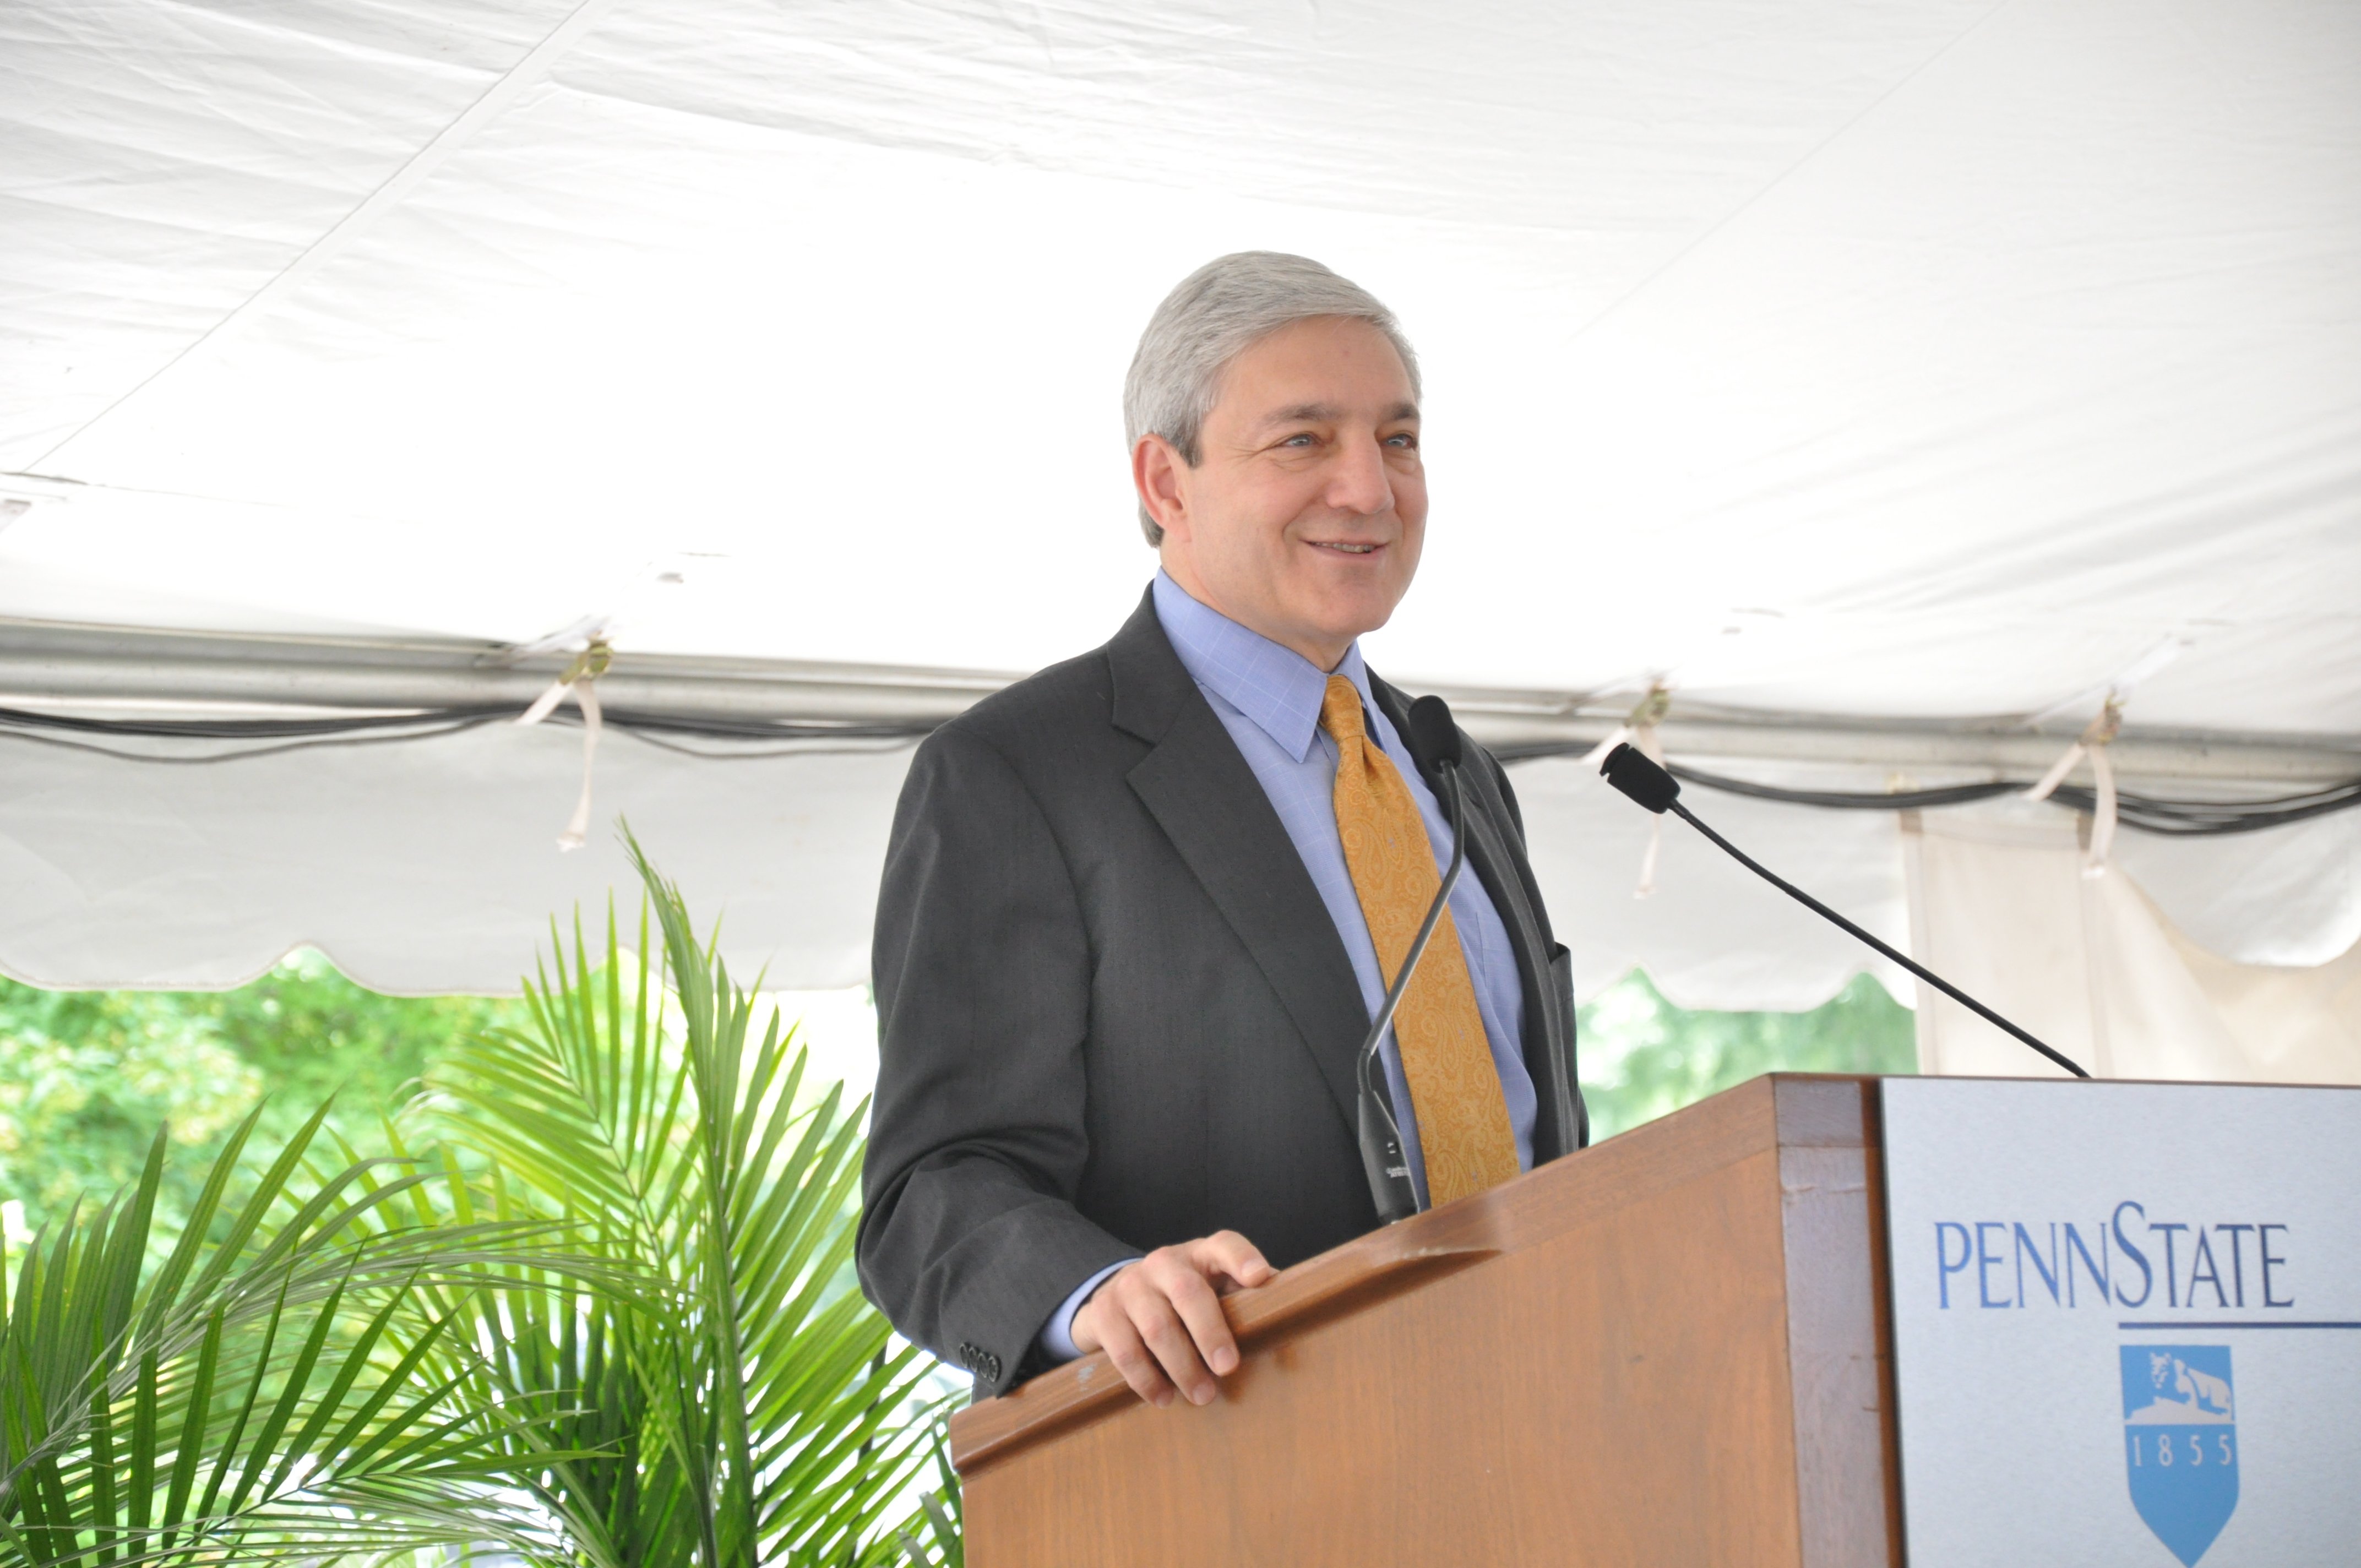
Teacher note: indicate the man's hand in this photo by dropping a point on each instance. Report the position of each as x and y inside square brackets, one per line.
[1161, 1318]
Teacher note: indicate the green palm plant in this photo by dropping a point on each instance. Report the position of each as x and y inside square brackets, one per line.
[744, 1405]
[243, 1401]
[936, 1537]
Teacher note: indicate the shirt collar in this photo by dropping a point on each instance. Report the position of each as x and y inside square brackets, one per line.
[1279, 690]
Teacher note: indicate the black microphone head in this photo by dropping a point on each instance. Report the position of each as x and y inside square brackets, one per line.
[1434, 735]
[1639, 776]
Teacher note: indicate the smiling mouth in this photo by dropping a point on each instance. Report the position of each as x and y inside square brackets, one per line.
[1346, 547]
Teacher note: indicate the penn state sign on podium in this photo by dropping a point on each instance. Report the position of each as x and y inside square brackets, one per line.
[2127, 1322]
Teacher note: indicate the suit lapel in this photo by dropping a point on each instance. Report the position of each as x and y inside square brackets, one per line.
[1210, 805]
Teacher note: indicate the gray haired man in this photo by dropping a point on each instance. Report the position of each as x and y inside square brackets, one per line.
[1139, 910]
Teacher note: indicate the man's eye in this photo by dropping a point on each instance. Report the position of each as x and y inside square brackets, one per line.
[1302, 438]
[1406, 442]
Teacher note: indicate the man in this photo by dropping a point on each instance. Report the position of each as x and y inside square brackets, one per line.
[1139, 910]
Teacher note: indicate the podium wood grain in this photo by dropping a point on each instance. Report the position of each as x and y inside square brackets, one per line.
[1666, 1349]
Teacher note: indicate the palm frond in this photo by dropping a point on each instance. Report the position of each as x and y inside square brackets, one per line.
[605, 1320]
[745, 1406]
[239, 1401]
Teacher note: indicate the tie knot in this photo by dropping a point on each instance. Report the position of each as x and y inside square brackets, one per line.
[1340, 711]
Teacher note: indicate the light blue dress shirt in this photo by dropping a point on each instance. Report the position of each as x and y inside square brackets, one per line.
[1269, 699]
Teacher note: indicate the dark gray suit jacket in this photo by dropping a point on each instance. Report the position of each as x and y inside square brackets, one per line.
[1114, 1012]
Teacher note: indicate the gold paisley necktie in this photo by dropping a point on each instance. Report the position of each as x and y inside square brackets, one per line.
[1463, 1122]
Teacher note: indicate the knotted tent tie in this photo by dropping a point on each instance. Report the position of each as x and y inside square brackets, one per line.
[579, 683]
[2092, 744]
[1639, 727]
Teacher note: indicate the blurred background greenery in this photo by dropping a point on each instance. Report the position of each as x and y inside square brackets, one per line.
[85, 1077]
[1642, 1057]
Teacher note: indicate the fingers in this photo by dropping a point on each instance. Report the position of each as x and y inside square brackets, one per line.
[1112, 1329]
[1131, 1317]
[1161, 1319]
[1227, 1256]
[1165, 1296]
[1199, 1338]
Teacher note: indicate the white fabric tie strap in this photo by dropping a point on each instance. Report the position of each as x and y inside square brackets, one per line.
[2102, 822]
[1596, 756]
[2056, 774]
[577, 683]
[1644, 739]
[1639, 727]
[2093, 745]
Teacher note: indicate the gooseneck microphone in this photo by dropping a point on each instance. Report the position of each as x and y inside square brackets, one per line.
[1433, 739]
[1640, 776]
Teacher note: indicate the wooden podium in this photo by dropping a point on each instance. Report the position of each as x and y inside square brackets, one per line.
[1670, 1348]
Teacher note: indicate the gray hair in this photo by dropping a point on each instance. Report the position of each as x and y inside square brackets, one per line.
[1216, 314]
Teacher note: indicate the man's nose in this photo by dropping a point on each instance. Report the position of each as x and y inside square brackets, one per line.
[1358, 482]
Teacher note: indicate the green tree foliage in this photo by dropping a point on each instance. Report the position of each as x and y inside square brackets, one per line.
[86, 1076]
[85, 1080]
[1642, 1057]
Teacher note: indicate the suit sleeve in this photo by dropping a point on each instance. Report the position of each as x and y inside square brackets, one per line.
[970, 1239]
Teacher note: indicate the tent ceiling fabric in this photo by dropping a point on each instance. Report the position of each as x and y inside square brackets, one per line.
[1919, 361]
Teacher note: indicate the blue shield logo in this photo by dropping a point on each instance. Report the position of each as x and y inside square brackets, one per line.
[2181, 1442]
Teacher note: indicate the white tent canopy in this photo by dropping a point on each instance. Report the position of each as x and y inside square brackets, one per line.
[1869, 371]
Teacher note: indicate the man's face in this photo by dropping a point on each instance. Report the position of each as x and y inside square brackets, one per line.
[1304, 516]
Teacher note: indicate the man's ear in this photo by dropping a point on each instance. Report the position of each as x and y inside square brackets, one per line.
[1157, 471]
